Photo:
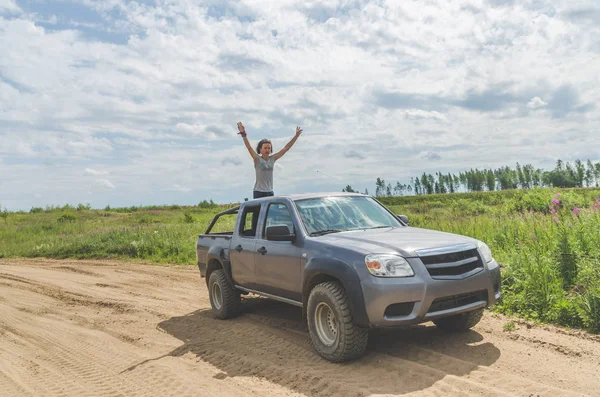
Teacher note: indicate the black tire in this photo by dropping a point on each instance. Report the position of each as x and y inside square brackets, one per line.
[460, 322]
[328, 308]
[224, 298]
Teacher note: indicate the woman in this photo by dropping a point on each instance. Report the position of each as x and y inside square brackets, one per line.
[264, 161]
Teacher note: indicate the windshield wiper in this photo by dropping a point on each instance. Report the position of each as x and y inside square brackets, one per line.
[378, 227]
[326, 231]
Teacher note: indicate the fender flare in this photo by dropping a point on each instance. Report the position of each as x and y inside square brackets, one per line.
[216, 254]
[322, 269]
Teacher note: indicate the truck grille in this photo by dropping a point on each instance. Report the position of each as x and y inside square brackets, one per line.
[454, 264]
[454, 301]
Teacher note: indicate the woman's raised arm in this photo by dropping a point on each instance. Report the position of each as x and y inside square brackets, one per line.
[242, 132]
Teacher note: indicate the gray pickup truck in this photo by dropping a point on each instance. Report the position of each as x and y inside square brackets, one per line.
[350, 263]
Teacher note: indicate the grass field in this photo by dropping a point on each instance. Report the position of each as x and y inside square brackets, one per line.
[547, 240]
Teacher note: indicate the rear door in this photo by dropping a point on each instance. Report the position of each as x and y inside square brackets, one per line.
[242, 251]
[278, 264]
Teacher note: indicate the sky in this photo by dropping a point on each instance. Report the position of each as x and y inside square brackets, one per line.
[124, 103]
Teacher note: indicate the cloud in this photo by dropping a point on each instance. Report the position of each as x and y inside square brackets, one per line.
[25, 149]
[353, 154]
[231, 160]
[92, 172]
[208, 132]
[418, 114]
[427, 155]
[565, 100]
[106, 183]
[536, 103]
[9, 7]
[589, 15]
[180, 188]
[491, 99]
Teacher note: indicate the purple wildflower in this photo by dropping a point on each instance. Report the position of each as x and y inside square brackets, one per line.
[557, 194]
[555, 202]
[576, 211]
[555, 219]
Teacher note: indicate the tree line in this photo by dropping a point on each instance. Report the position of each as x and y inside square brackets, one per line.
[564, 175]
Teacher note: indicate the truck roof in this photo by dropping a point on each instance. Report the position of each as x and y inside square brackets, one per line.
[299, 196]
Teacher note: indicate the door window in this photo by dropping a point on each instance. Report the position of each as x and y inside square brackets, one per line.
[249, 221]
[278, 215]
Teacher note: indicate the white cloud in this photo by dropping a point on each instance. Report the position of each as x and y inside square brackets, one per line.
[92, 172]
[205, 131]
[25, 149]
[106, 183]
[427, 155]
[418, 114]
[9, 7]
[183, 189]
[536, 103]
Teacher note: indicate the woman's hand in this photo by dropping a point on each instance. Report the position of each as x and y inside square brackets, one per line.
[242, 129]
[298, 131]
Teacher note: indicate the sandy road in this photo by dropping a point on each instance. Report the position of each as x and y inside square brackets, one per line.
[103, 328]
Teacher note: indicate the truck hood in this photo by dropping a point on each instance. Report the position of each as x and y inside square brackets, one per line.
[402, 240]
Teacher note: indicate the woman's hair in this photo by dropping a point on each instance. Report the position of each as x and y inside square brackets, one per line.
[262, 142]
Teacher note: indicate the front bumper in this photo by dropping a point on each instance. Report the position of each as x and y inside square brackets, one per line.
[394, 302]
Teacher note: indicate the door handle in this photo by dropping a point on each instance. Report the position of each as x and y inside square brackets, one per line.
[262, 250]
[239, 248]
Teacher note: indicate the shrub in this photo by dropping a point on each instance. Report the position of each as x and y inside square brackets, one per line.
[68, 218]
[188, 218]
[207, 204]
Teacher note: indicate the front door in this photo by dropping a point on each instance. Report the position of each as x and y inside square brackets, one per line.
[278, 263]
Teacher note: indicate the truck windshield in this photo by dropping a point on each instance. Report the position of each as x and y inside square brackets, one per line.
[342, 213]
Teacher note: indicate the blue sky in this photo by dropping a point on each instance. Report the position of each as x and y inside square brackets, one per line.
[135, 103]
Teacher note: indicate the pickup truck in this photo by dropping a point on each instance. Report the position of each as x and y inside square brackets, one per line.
[350, 263]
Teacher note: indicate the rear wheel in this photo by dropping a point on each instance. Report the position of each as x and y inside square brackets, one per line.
[460, 322]
[224, 298]
[332, 331]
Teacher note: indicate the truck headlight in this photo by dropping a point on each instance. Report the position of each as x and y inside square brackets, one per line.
[486, 251]
[388, 265]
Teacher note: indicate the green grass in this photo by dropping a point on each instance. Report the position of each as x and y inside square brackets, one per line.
[550, 255]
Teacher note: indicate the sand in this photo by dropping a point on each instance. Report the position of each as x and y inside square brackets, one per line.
[110, 328]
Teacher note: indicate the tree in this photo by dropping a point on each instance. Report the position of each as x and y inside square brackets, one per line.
[417, 184]
[379, 187]
[490, 180]
[580, 170]
[349, 189]
[589, 174]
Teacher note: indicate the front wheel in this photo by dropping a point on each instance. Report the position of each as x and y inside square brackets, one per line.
[224, 298]
[460, 322]
[332, 331]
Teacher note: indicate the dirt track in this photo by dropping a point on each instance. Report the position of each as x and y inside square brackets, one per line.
[90, 328]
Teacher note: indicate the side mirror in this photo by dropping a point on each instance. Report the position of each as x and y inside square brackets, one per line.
[280, 233]
[403, 218]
